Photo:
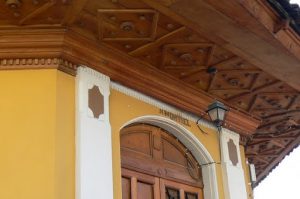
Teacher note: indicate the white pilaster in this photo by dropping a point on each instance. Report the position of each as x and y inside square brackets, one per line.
[94, 179]
[232, 170]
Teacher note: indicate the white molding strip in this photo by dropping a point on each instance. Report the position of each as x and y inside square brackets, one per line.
[94, 177]
[159, 104]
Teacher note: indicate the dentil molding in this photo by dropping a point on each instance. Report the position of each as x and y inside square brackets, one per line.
[39, 63]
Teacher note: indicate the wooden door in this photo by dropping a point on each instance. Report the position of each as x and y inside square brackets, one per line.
[156, 165]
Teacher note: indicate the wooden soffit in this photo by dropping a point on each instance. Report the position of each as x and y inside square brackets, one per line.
[249, 28]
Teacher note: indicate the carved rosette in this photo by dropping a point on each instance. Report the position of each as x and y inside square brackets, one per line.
[127, 24]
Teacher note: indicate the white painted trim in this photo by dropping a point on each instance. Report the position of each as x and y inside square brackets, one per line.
[94, 177]
[193, 144]
[159, 104]
[225, 136]
[233, 175]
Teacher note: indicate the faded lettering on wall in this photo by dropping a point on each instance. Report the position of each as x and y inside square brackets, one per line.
[175, 117]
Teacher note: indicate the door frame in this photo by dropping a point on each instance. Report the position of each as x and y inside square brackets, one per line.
[193, 143]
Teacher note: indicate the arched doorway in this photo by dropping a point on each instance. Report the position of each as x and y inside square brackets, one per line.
[156, 165]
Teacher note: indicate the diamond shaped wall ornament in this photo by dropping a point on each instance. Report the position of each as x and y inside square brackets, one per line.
[96, 101]
[232, 151]
[127, 24]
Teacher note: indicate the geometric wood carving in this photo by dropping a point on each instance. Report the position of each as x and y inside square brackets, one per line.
[234, 79]
[96, 101]
[186, 55]
[127, 24]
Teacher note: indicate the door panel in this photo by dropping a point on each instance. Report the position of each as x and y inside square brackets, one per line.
[190, 195]
[126, 188]
[145, 190]
[171, 193]
[175, 190]
[136, 185]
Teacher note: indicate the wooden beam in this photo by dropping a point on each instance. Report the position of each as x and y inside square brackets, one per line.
[261, 155]
[292, 102]
[37, 11]
[252, 103]
[73, 11]
[275, 142]
[272, 138]
[280, 120]
[282, 113]
[254, 91]
[270, 151]
[211, 82]
[262, 159]
[154, 25]
[157, 42]
[217, 65]
[256, 143]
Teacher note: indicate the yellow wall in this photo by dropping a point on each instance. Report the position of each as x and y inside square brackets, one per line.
[132, 108]
[65, 137]
[36, 134]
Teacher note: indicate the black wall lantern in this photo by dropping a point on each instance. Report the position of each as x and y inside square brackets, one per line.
[217, 112]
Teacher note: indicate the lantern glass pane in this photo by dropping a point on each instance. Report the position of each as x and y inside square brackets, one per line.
[221, 114]
[213, 114]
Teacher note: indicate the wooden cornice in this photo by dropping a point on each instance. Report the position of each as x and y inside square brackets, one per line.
[38, 63]
[70, 47]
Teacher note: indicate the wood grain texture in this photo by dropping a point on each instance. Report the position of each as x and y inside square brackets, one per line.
[172, 161]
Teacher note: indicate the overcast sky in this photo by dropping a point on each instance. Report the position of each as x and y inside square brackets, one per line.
[284, 181]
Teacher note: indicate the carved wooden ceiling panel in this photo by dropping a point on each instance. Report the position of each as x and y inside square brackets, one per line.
[134, 28]
[32, 12]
